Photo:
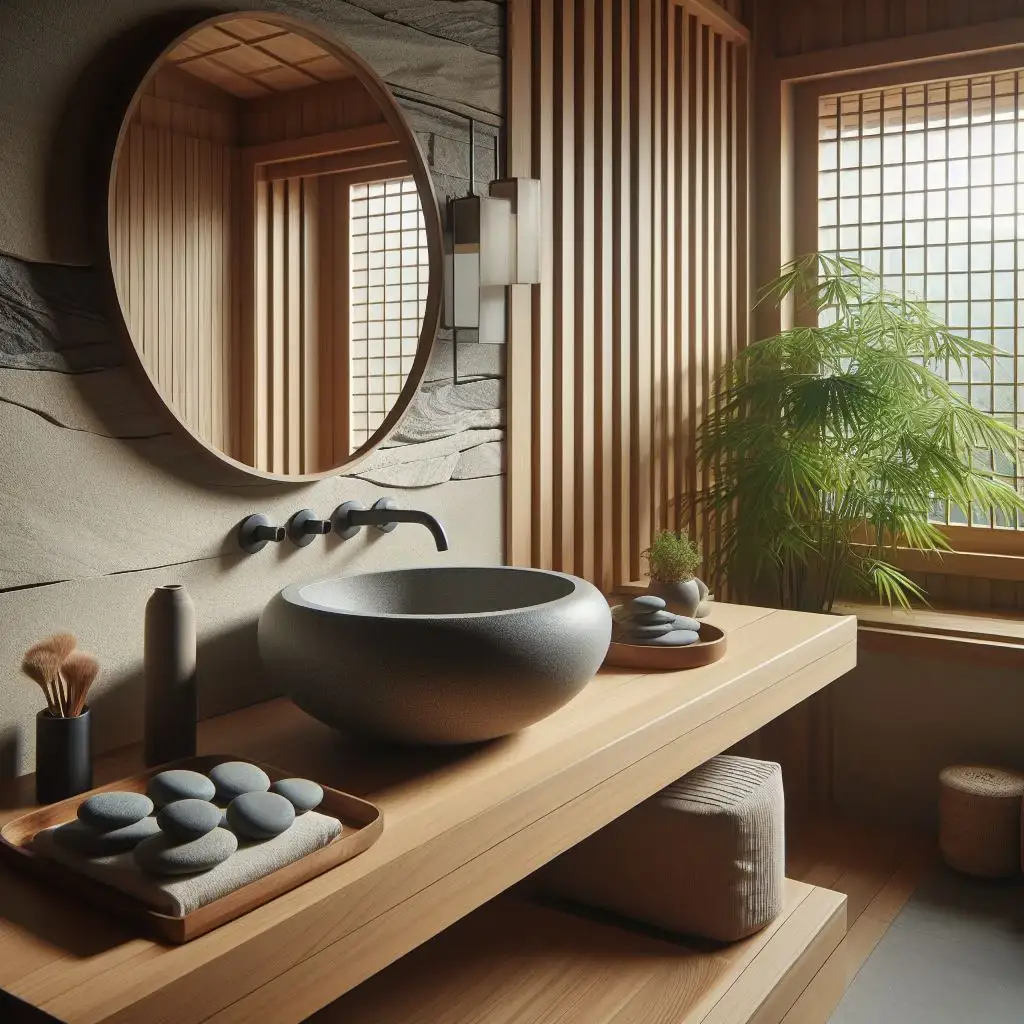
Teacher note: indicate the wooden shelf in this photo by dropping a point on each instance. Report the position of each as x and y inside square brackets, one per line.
[513, 961]
[460, 827]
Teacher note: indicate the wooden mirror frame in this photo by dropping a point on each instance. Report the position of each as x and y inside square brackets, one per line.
[393, 114]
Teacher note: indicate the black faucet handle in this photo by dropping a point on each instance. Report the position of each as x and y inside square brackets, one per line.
[255, 532]
[385, 504]
[305, 525]
[341, 522]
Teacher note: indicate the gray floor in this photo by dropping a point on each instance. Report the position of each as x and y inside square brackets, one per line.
[954, 955]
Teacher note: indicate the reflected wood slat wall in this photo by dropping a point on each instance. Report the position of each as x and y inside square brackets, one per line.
[298, 371]
[633, 114]
[176, 170]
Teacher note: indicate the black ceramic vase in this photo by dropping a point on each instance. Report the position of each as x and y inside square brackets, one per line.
[170, 671]
[63, 756]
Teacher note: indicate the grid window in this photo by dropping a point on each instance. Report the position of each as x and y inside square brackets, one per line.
[924, 185]
[388, 295]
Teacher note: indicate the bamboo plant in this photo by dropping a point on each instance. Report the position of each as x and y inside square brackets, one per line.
[827, 447]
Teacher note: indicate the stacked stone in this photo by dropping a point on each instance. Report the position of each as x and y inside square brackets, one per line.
[646, 621]
[109, 823]
[198, 820]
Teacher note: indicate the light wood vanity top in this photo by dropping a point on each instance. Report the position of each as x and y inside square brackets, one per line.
[460, 827]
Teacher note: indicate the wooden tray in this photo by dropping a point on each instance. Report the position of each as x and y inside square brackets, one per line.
[708, 649]
[362, 824]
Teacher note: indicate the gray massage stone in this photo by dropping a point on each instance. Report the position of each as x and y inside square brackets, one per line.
[651, 618]
[646, 603]
[233, 778]
[260, 815]
[179, 784]
[643, 633]
[677, 638]
[185, 820]
[79, 837]
[161, 855]
[302, 794]
[105, 812]
[682, 622]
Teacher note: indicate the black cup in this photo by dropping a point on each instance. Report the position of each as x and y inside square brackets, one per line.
[63, 756]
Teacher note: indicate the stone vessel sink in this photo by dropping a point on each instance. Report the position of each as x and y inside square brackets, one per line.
[435, 655]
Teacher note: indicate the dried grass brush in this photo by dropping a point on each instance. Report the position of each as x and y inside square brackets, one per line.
[79, 672]
[48, 663]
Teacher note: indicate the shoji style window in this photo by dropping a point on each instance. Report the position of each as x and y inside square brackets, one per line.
[923, 182]
[389, 279]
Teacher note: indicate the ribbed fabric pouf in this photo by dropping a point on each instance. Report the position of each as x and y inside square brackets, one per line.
[980, 819]
[705, 856]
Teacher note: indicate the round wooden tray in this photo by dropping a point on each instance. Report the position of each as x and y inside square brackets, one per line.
[708, 649]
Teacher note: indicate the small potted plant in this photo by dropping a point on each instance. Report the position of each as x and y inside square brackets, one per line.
[672, 561]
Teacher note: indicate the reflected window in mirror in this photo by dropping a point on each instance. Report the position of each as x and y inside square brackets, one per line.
[390, 276]
[269, 243]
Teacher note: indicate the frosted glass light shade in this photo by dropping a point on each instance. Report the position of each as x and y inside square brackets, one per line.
[494, 242]
[524, 254]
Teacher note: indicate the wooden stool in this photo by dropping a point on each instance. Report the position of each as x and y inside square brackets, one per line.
[705, 856]
[980, 819]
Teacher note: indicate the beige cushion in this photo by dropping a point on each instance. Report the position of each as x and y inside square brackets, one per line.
[705, 856]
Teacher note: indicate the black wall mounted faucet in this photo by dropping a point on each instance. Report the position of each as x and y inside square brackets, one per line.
[349, 518]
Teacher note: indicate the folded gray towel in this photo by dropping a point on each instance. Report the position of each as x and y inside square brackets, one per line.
[179, 896]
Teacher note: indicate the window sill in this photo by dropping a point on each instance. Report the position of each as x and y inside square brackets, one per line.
[930, 632]
[985, 566]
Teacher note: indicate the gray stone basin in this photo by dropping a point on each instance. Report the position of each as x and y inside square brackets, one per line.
[435, 655]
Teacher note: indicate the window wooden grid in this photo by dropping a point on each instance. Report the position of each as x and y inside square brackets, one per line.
[924, 184]
[389, 278]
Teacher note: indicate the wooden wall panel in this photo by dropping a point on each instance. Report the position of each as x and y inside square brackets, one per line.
[320, 108]
[803, 26]
[633, 114]
[175, 193]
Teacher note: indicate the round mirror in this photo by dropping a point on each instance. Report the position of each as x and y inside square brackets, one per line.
[275, 244]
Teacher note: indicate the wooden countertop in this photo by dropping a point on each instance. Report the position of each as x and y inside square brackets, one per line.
[461, 826]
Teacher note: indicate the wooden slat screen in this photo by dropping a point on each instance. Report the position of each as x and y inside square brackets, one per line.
[633, 114]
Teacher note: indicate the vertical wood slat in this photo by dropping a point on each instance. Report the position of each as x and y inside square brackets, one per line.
[642, 321]
[584, 309]
[312, 377]
[563, 288]
[341, 345]
[621, 186]
[698, 244]
[294, 335]
[603, 452]
[633, 116]
[277, 236]
[519, 526]
[684, 259]
[542, 332]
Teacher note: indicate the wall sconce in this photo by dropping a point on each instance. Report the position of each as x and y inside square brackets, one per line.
[494, 243]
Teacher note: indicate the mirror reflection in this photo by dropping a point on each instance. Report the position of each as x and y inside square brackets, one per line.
[269, 245]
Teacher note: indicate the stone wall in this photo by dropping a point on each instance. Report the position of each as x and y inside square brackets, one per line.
[101, 499]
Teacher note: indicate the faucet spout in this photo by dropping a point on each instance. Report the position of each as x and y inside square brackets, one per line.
[385, 516]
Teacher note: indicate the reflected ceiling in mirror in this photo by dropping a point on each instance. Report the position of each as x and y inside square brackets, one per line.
[275, 245]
